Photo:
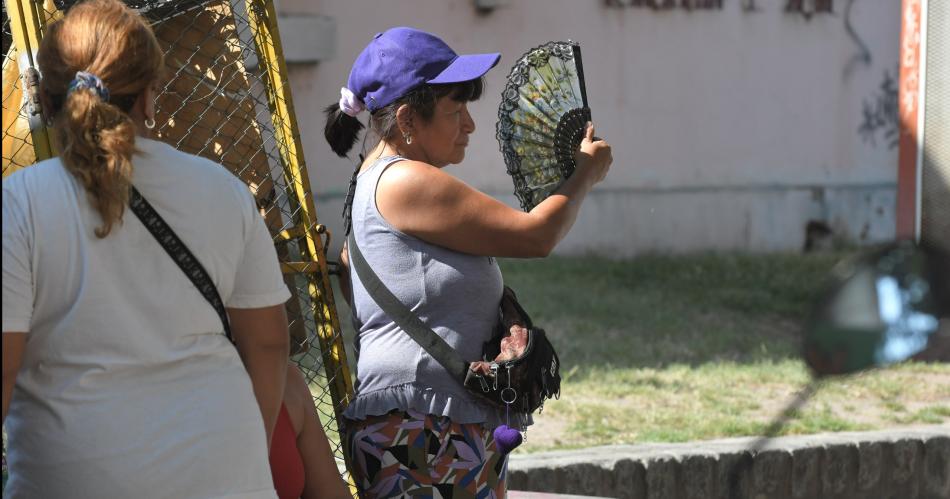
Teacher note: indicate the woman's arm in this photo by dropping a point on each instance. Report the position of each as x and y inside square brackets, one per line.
[264, 344]
[322, 479]
[425, 202]
[13, 346]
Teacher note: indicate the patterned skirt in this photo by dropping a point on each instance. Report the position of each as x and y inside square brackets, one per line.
[408, 454]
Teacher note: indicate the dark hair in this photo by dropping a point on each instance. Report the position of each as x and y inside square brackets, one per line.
[342, 130]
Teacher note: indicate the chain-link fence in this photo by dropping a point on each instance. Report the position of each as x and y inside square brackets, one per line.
[17, 142]
[225, 97]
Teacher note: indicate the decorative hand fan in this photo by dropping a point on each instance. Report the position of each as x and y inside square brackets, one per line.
[542, 118]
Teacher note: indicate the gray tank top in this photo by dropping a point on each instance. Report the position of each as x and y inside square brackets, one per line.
[456, 294]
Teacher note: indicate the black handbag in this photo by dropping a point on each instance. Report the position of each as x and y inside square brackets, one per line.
[522, 379]
[528, 373]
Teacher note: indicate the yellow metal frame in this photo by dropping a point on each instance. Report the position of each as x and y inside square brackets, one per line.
[27, 20]
[262, 18]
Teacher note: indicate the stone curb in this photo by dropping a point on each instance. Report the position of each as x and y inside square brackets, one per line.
[901, 464]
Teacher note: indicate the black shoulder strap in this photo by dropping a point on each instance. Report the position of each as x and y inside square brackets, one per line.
[428, 339]
[180, 253]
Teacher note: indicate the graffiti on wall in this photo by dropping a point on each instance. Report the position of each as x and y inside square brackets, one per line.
[809, 8]
[806, 8]
[668, 4]
[880, 114]
[863, 55]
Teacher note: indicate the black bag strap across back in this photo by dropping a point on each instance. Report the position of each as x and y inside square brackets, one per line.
[428, 339]
[180, 253]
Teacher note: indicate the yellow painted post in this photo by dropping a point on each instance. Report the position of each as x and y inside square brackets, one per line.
[263, 22]
[27, 19]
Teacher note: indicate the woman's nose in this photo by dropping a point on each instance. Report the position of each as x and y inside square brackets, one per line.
[468, 124]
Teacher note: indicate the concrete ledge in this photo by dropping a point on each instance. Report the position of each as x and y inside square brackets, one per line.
[900, 464]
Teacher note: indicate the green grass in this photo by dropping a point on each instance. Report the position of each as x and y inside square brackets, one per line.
[680, 348]
[656, 310]
[680, 402]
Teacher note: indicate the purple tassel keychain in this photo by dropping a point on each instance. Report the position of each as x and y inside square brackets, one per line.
[506, 437]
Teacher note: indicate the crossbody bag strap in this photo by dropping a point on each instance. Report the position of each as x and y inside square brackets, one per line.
[428, 339]
[180, 253]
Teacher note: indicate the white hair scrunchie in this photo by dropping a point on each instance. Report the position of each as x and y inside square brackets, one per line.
[350, 104]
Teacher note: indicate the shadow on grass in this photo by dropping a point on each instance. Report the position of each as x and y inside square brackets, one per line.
[654, 311]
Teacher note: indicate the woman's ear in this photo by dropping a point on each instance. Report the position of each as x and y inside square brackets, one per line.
[144, 107]
[149, 96]
[404, 120]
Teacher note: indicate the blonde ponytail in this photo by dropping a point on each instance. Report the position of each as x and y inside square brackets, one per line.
[94, 132]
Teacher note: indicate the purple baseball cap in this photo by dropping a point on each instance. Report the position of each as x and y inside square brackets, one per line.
[400, 59]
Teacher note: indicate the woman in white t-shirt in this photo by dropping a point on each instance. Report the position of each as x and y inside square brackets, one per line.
[117, 379]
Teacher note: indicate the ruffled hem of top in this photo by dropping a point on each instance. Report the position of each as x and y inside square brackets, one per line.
[410, 396]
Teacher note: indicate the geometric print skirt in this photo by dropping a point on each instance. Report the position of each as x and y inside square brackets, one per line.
[410, 454]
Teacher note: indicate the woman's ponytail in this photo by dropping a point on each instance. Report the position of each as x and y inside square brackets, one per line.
[97, 141]
[341, 130]
[97, 62]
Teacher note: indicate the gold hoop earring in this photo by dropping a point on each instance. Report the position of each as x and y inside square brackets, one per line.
[150, 123]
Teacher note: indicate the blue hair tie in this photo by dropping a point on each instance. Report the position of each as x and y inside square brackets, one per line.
[89, 81]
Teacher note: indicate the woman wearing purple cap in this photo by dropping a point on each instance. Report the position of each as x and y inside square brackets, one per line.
[432, 240]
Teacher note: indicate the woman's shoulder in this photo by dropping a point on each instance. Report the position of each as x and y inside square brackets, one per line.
[416, 181]
[173, 158]
[202, 173]
[45, 176]
[51, 167]
[411, 167]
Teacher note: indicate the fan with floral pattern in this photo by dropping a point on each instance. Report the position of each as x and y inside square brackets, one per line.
[542, 118]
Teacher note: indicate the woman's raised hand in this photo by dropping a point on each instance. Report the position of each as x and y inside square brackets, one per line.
[594, 157]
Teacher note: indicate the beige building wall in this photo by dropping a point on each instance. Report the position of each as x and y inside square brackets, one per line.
[731, 128]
